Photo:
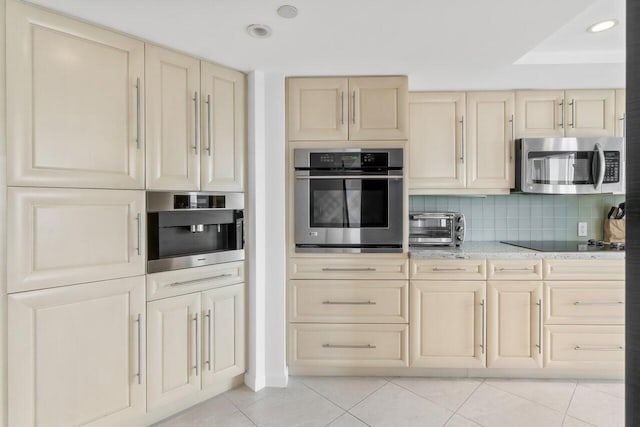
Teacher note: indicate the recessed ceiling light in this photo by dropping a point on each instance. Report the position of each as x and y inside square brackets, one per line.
[603, 26]
[288, 11]
[259, 31]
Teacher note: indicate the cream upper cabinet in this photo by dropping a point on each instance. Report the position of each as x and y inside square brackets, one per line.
[590, 113]
[436, 151]
[539, 113]
[172, 100]
[76, 355]
[514, 324]
[75, 103]
[447, 324]
[490, 138]
[65, 236]
[621, 113]
[173, 352]
[342, 108]
[223, 334]
[378, 108]
[318, 108]
[223, 128]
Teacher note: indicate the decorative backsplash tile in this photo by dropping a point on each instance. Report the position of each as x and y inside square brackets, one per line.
[524, 216]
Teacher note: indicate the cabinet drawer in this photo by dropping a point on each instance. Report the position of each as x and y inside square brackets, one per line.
[514, 269]
[348, 345]
[453, 269]
[584, 347]
[345, 301]
[179, 282]
[583, 269]
[584, 303]
[348, 268]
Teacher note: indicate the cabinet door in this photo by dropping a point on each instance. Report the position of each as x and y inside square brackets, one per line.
[378, 108]
[447, 324]
[223, 128]
[224, 336]
[76, 355]
[514, 324]
[65, 236]
[539, 114]
[74, 103]
[317, 109]
[173, 349]
[436, 154]
[173, 86]
[490, 135]
[590, 113]
[621, 113]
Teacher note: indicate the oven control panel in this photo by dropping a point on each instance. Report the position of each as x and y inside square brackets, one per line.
[348, 160]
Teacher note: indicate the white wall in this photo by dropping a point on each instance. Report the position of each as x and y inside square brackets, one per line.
[266, 237]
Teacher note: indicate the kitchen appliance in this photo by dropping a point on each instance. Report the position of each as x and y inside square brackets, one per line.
[436, 229]
[192, 229]
[348, 200]
[566, 246]
[570, 165]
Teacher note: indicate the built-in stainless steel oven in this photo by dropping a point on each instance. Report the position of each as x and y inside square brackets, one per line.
[193, 229]
[348, 200]
[570, 165]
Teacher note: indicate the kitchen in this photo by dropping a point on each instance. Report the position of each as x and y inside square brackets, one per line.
[270, 245]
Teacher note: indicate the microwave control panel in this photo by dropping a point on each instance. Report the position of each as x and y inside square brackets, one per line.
[611, 167]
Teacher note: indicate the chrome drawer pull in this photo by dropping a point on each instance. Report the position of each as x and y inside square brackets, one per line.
[387, 177]
[482, 344]
[347, 346]
[581, 348]
[514, 269]
[449, 269]
[138, 114]
[539, 345]
[139, 323]
[348, 269]
[349, 302]
[189, 282]
[197, 334]
[599, 303]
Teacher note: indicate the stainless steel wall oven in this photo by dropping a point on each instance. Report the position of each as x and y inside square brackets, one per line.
[348, 200]
[193, 229]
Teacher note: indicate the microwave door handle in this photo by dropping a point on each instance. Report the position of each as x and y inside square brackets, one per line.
[601, 166]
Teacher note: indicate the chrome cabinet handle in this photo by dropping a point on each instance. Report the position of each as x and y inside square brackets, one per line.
[190, 282]
[348, 346]
[348, 269]
[573, 113]
[482, 346]
[342, 108]
[139, 324]
[599, 303]
[209, 329]
[139, 221]
[209, 129]
[366, 177]
[562, 116]
[195, 122]
[513, 136]
[197, 336]
[624, 125]
[448, 269]
[597, 348]
[354, 107]
[515, 269]
[462, 140]
[539, 345]
[138, 114]
[349, 302]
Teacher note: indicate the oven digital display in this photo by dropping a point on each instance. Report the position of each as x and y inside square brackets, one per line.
[348, 160]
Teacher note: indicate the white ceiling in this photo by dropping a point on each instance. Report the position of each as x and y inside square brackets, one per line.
[441, 45]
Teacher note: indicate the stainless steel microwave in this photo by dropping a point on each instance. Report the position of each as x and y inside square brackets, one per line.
[570, 165]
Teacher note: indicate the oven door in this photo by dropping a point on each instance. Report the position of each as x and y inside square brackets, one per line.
[348, 213]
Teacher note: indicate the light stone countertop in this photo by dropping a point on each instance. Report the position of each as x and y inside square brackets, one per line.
[471, 250]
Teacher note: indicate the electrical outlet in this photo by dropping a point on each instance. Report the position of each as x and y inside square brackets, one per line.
[582, 229]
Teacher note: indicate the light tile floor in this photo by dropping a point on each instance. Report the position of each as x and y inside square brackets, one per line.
[405, 402]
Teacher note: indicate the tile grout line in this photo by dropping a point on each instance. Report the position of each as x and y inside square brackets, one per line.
[367, 396]
[566, 412]
[527, 399]
[465, 401]
[601, 391]
[329, 423]
[429, 400]
[239, 408]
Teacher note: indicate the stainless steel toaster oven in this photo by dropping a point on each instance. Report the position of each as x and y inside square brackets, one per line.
[436, 229]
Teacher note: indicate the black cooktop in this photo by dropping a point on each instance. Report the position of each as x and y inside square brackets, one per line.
[563, 245]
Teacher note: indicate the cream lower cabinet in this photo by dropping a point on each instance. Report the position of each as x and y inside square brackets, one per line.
[195, 340]
[75, 103]
[514, 324]
[448, 324]
[76, 355]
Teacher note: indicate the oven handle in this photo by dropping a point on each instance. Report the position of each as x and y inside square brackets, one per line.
[388, 177]
[601, 158]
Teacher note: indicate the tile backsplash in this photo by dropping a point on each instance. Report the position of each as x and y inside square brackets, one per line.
[524, 216]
